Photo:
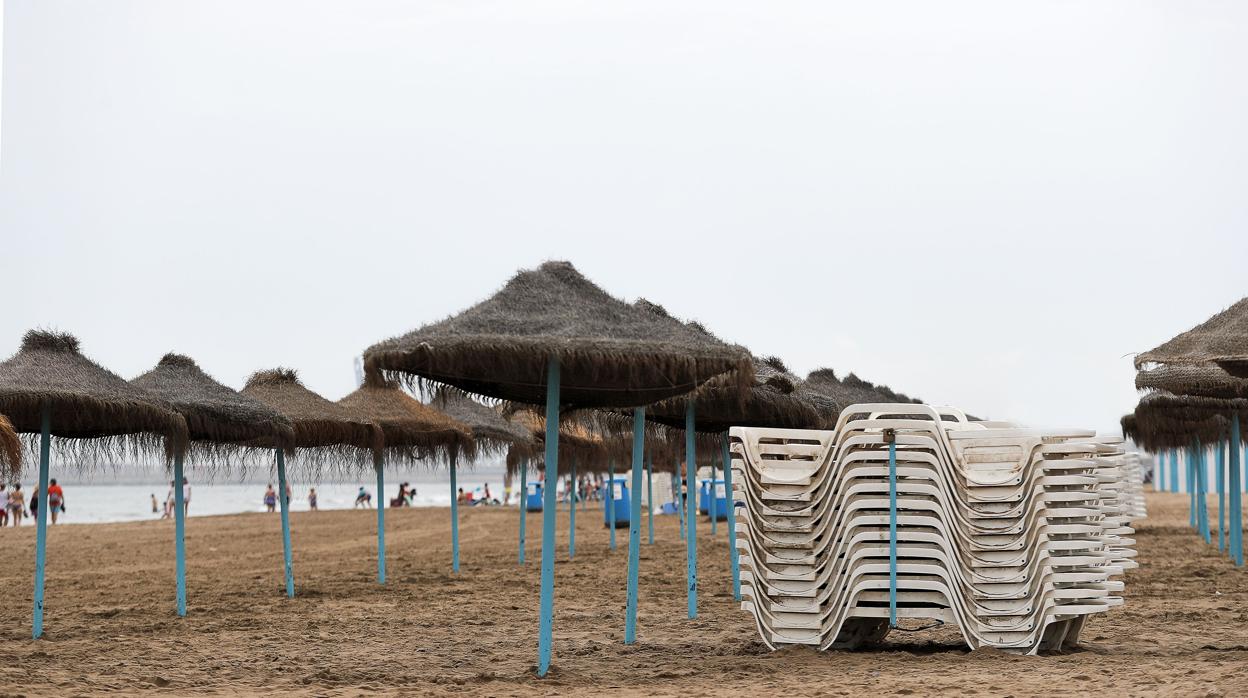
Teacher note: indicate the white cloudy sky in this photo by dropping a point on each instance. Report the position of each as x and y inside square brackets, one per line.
[982, 203]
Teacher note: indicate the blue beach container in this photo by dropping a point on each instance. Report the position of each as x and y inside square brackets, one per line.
[617, 501]
[533, 498]
[719, 499]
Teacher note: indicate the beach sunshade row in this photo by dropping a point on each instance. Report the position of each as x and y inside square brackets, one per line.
[611, 353]
[1222, 339]
[93, 410]
[411, 431]
[1016, 536]
[324, 430]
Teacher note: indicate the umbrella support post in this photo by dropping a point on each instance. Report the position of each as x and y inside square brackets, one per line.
[609, 500]
[733, 555]
[549, 519]
[1235, 486]
[891, 437]
[41, 518]
[1174, 470]
[680, 501]
[1202, 505]
[572, 492]
[179, 533]
[381, 520]
[1219, 462]
[691, 515]
[454, 519]
[634, 526]
[524, 501]
[1191, 486]
[650, 496]
[285, 502]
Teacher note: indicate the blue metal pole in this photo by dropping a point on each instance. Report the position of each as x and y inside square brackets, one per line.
[1159, 483]
[548, 518]
[732, 523]
[1174, 470]
[285, 502]
[573, 490]
[1220, 462]
[379, 465]
[524, 501]
[892, 529]
[179, 532]
[650, 495]
[1202, 505]
[41, 517]
[1237, 521]
[691, 514]
[710, 506]
[680, 501]
[634, 526]
[454, 518]
[609, 500]
[1191, 486]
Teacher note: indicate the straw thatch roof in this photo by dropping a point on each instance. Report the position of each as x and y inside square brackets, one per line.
[10, 449]
[611, 354]
[576, 440]
[1204, 380]
[333, 430]
[832, 395]
[87, 402]
[411, 430]
[217, 417]
[1222, 339]
[492, 431]
[772, 399]
[1162, 420]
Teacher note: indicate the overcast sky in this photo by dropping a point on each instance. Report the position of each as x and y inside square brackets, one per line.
[990, 205]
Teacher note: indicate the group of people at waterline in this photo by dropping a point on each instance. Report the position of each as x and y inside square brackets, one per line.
[17, 507]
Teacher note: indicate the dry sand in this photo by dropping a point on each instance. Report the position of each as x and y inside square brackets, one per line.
[111, 625]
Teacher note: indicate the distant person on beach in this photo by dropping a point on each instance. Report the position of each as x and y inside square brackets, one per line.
[460, 497]
[312, 499]
[363, 499]
[270, 498]
[186, 496]
[155, 504]
[16, 504]
[56, 499]
[168, 511]
[4, 506]
[506, 488]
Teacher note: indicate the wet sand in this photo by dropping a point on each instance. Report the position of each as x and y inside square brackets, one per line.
[111, 626]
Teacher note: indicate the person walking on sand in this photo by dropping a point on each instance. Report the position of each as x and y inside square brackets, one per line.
[155, 504]
[167, 513]
[16, 504]
[312, 499]
[56, 499]
[4, 506]
[270, 498]
[186, 496]
[363, 499]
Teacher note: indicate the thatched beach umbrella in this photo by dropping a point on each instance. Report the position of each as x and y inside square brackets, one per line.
[412, 431]
[324, 431]
[1222, 339]
[1202, 380]
[494, 433]
[551, 336]
[219, 420]
[831, 395]
[10, 448]
[50, 388]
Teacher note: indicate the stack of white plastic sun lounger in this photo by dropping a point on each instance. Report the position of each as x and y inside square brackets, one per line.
[1015, 535]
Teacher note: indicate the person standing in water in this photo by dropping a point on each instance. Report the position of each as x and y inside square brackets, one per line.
[186, 496]
[312, 499]
[270, 499]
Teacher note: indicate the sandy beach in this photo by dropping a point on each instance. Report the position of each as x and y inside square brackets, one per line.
[111, 625]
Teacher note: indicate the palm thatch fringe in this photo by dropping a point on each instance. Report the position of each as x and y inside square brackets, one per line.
[831, 395]
[412, 432]
[1203, 380]
[611, 354]
[96, 415]
[492, 430]
[326, 434]
[773, 399]
[10, 449]
[1163, 420]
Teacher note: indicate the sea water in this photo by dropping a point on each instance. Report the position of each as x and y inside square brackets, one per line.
[100, 502]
